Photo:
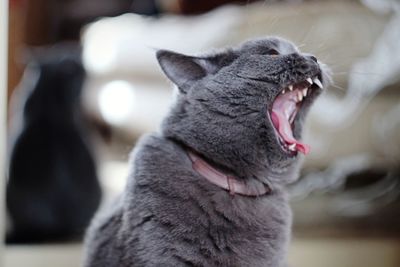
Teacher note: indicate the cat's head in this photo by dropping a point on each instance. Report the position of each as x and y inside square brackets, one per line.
[244, 107]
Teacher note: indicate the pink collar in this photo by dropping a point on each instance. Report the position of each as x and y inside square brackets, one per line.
[227, 182]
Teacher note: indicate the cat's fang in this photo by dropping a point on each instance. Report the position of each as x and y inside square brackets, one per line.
[318, 82]
[290, 87]
[283, 91]
[309, 80]
[292, 147]
[299, 96]
[305, 92]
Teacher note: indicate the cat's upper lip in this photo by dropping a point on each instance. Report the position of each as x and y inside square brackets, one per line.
[308, 83]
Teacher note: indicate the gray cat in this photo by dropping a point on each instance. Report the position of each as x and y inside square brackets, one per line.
[209, 189]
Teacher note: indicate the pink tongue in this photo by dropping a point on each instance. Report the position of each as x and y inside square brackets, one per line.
[283, 108]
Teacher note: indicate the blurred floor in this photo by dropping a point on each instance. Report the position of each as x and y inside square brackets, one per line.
[303, 253]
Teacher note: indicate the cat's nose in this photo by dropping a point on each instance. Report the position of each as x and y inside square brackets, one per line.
[313, 58]
[305, 63]
[310, 57]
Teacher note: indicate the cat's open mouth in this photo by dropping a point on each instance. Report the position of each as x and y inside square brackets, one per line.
[285, 109]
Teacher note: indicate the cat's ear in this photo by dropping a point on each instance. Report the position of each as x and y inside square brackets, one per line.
[183, 70]
[180, 69]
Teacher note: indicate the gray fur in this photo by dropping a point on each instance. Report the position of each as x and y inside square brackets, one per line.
[169, 215]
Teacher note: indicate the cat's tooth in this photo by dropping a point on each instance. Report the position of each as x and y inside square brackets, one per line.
[283, 91]
[318, 82]
[290, 87]
[299, 95]
[292, 147]
[305, 92]
[309, 80]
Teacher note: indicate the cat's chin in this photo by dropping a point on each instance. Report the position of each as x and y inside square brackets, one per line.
[288, 110]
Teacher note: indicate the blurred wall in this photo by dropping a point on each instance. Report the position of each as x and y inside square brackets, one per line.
[16, 30]
[3, 97]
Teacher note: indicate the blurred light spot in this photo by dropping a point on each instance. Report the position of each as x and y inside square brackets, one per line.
[100, 56]
[116, 101]
[100, 47]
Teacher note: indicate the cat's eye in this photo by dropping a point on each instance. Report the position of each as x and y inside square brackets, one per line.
[273, 52]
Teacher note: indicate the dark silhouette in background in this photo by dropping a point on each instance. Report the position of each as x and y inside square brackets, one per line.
[52, 191]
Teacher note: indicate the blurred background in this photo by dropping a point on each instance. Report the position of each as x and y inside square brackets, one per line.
[84, 85]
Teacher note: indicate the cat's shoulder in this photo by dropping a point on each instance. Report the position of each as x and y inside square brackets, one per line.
[153, 146]
[152, 140]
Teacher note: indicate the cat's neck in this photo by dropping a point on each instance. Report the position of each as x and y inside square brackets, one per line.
[223, 180]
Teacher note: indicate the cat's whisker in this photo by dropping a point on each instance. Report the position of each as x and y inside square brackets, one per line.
[338, 87]
[300, 46]
[307, 34]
